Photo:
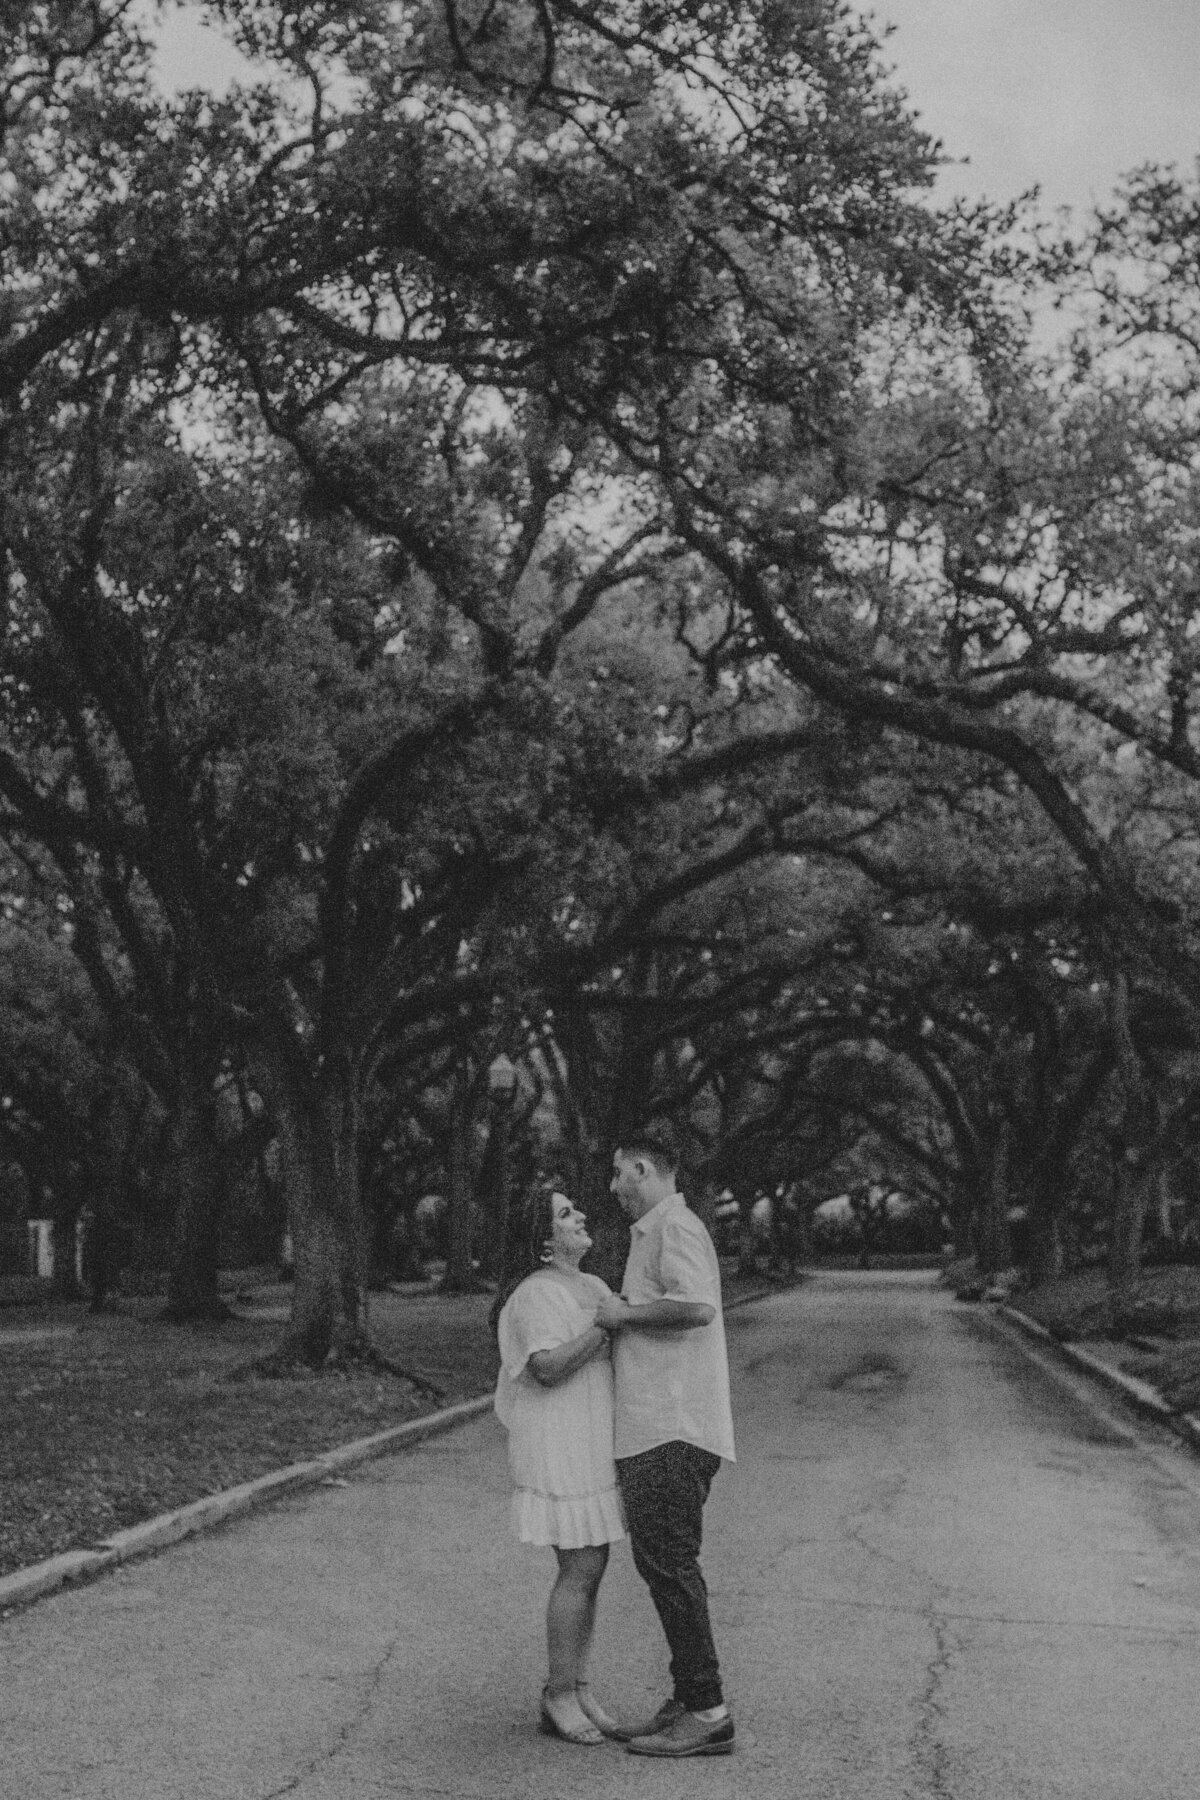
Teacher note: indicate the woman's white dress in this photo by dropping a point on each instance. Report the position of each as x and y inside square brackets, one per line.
[560, 1439]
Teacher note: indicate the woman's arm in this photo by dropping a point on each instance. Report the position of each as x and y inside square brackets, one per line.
[549, 1367]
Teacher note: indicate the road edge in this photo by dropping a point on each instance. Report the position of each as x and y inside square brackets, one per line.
[1142, 1396]
[72, 1568]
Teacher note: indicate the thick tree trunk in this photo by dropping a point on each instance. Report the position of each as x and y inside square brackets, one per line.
[340, 1108]
[601, 1094]
[194, 1177]
[585, 1106]
[994, 1242]
[1054, 1136]
[98, 1270]
[1129, 1130]
[1044, 1258]
[317, 1125]
[1125, 1245]
[460, 1267]
[795, 1232]
[1161, 1203]
[582, 1091]
[962, 1208]
[1045, 1246]
[622, 1098]
[99, 1260]
[494, 1185]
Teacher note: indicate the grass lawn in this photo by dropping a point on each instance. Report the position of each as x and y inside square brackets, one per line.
[1159, 1332]
[107, 1419]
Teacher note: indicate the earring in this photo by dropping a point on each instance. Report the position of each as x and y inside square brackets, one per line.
[547, 1254]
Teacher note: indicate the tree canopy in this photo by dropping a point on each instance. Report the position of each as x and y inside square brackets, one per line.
[526, 530]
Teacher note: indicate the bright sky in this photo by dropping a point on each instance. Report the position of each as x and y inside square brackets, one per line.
[1067, 94]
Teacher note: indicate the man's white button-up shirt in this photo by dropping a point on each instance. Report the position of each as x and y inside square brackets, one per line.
[672, 1384]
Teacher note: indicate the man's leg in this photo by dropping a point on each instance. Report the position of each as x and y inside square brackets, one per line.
[664, 1491]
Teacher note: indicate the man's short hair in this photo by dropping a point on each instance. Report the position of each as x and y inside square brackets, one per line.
[657, 1142]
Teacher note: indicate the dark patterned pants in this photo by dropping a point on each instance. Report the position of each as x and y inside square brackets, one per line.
[664, 1491]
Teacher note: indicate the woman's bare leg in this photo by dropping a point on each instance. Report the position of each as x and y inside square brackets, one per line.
[571, 1615]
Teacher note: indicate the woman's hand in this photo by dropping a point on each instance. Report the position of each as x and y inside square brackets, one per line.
[611, 1313]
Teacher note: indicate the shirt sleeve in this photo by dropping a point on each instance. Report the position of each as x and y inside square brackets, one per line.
[537, 1316]
[687, 1266]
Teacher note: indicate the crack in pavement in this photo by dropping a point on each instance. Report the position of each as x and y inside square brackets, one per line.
[421, 1790]
[1170, 1633]
[929, 1752]
[345, 1731]
[889, 1488]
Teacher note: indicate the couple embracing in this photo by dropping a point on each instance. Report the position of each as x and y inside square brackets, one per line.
[617, 1410]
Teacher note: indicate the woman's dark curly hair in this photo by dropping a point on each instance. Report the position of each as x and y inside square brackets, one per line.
[529, 1228]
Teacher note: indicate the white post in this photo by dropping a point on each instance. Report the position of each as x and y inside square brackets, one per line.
[41, 1248]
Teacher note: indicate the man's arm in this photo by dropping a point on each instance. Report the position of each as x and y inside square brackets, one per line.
[615, 1314]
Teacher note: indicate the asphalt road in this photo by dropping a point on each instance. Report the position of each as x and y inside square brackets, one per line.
[936, 1570]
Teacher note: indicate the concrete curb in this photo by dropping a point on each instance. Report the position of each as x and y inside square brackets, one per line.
[1141, 1395]
[75, 1566]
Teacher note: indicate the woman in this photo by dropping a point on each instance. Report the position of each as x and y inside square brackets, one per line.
[555, 1398]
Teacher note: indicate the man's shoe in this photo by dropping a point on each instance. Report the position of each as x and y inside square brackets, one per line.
[686, 1735]
[666, 1715]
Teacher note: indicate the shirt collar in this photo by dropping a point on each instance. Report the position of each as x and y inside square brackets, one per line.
[668, 1203]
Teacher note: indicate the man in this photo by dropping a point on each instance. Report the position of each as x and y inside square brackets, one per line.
[673, 1427]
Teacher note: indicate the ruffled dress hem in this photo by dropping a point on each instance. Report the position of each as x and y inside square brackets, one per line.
[568, 1521]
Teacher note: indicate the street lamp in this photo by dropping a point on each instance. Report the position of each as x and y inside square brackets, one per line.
[502, 1078]
[502, 1087]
